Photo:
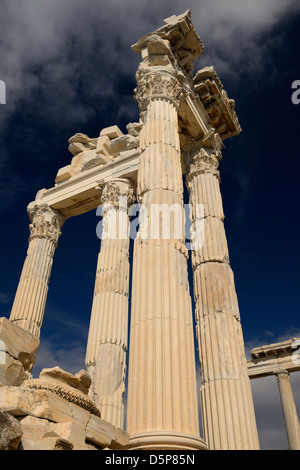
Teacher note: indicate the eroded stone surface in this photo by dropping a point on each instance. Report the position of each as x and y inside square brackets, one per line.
[18, 350]
[10, 432]
[48, 421]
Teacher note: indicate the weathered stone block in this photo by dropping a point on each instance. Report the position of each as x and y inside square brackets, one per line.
[19, 343]
[49, 422]
[10, 432]
[46, 443]
[125, 142]
[71, 432]
[18, 350]
[60, 376]
[41, 434]
[12, 371]
[104, 434]
[99, 432]
[40, 403]
[64, 174]
[112, 132]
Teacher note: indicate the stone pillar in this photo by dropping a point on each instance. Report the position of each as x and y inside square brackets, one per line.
[30, 300]
[108, 332]
[162, 410]
[226, 398]
[289, 409]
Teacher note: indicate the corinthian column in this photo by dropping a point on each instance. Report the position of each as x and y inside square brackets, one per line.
[226, 398]
[108, 332]
[30, 300]
[289, 409]
[162, 408]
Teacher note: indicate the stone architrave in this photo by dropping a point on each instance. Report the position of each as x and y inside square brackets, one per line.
[162, 410]
[226, 398]
[108, 332]
[30, 299]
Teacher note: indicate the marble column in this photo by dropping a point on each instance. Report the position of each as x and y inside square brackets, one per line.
[289, 409]
[162, 411]
[108, 332]
[30, 299]
[226, 398]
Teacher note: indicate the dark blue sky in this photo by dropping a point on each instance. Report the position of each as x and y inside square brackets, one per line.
[69, 69]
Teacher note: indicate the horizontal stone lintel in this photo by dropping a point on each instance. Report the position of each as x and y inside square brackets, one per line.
[82, 192]
[269, 359]
[265, 367]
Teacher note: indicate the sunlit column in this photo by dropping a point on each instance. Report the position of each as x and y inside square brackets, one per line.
[30, 300]
[162, 410]
[226, 398]
[289, 409]
[108, 332]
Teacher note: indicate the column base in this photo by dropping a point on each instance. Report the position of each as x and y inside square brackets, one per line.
[166, 440]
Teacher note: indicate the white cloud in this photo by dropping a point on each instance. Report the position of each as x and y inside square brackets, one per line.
[69, 357]
[235, 33]
[42, 35]
[4, 298]
[67, 61]
[63, 341]
[269, 337]
[255, 15]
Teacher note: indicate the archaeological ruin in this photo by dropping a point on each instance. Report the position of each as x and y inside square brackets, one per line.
[183, 122]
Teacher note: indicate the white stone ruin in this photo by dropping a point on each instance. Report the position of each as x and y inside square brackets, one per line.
[183, 122]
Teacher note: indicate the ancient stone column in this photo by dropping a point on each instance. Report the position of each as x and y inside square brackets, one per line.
[289, 409]
[162, 410]
[30, 300]
[226, 398]
[108, 332]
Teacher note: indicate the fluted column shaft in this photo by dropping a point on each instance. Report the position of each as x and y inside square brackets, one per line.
[108, 332]
[162, 396]
[289, 409]
[30, 299]
[226, 398]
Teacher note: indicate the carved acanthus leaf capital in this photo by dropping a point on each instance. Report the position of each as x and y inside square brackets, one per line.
[118, 193]
[202, 161]
[282, 375]
[45, 222]
[157, 84]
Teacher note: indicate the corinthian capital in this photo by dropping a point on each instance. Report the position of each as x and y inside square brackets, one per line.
[157, 84]
[45, 222]
[118, 193]
[201, 161]
[282, 375]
